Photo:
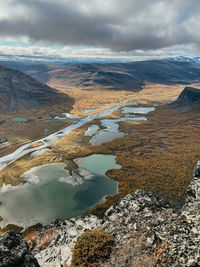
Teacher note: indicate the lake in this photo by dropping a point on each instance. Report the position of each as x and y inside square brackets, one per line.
[50, 192]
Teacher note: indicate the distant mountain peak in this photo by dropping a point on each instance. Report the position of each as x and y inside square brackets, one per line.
[184, 59]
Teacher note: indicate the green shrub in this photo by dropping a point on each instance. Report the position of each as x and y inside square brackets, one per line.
[92, 247]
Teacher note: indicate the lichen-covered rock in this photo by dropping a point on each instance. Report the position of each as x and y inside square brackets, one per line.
[147, 232]
[14, 252]
[60, 250]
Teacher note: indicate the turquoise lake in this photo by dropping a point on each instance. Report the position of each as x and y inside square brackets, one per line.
[44, 198]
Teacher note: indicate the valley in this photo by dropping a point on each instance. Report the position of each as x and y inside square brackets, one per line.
[99, 133]
[139, 126]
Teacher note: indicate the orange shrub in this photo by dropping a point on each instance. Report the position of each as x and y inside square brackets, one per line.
[92, 247]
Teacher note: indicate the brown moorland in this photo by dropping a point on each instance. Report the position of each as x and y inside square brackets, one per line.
[158, 155]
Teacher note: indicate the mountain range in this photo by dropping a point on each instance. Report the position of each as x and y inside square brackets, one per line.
[119, 76]
[29, 89]
[185, 59]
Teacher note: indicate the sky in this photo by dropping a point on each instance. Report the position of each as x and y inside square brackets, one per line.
[93, 30]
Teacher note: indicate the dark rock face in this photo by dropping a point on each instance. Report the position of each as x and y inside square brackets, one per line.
[20, 91]
[14, 252]
[189, 96]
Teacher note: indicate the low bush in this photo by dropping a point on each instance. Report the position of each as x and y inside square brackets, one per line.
[91, 247]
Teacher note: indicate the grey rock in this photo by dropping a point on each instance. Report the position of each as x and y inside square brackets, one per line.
[14, 252]
[140, 223]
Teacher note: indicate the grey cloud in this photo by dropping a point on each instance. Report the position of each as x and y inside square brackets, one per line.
[121, 25]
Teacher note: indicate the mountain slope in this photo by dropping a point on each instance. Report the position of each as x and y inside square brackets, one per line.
[119, 76]
[189, 96]
[125, 76]
[20, 91]
[29, 67]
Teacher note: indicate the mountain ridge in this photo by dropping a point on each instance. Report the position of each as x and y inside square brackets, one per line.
[130, 76]
[184, 59]
[20, 91]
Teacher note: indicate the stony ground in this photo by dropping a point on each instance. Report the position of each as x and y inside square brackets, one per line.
[147, 232]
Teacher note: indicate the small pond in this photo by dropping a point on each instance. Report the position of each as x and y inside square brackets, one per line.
[140, 110]
[112, 125]
[105, 136]
[111, 130]
[20, 119]
[92, 129]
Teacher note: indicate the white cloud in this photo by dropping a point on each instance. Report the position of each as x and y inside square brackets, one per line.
[131, 27]
[66, 53]
[114, 24]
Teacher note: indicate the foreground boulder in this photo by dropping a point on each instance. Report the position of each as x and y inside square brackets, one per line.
[14, 252]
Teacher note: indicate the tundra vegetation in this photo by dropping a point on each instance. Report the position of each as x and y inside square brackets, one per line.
[91, 247]
[158, 155]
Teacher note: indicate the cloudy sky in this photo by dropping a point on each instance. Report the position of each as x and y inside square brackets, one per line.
[61, 30]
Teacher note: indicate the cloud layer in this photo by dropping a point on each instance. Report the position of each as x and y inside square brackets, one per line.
[119, 25]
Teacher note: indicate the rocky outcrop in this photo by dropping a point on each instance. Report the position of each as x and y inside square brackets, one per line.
[60, 249]
[189, 96]
[147, 232]
[14, 252]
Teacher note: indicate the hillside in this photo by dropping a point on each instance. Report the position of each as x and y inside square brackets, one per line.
[189, 96]
[119, 76]
[39, 71]
[19, 91]
[128, 76]
[30, 68]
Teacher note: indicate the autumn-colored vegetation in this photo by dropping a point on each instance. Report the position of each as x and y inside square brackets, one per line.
[39, 241]
[10, 227]
[92, 247]
[158, 155]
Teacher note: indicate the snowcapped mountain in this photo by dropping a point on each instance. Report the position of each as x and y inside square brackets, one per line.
[185, 59]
